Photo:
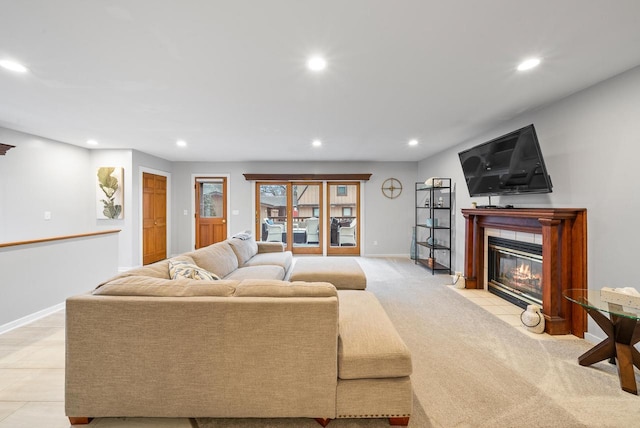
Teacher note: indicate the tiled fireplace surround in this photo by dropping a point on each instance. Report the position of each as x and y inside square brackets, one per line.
[562, 234]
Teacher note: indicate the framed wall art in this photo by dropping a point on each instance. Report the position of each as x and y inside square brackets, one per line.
[109, 193]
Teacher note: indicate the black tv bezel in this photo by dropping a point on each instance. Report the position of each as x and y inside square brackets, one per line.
[507, 192]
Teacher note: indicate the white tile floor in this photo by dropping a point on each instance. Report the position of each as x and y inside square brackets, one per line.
[32, 381]
[32, 375]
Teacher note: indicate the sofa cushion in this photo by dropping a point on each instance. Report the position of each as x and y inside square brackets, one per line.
[270, 247]
[344, 273]
[275, 288]
[217, 258]
[283, 259]
[252, 272]
[184, 269]
[160, 287]
[154, 270]
[244, 249]
[369, 345]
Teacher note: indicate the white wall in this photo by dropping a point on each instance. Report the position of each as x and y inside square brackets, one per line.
[45, 175]
[122, 159]
[590, 142]
[387, 221]
[133, 162]
[41, 175]
[37, 277]
[143, 162]
[591, 146]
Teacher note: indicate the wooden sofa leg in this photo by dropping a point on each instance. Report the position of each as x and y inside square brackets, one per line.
[323, 421]
[79, 421]
[399, 421]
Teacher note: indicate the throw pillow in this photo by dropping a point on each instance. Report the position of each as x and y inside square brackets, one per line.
[182, 269]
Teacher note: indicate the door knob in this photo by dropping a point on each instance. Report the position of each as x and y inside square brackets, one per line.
[224, 221]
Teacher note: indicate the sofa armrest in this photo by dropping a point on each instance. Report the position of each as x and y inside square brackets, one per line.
[270, 247]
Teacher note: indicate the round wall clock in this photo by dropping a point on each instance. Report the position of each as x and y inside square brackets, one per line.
[391, 188]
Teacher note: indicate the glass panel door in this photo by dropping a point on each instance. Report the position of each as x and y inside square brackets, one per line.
[343, 222]
[291, 213]
[211, 205]
[307, 218]
[271, 218]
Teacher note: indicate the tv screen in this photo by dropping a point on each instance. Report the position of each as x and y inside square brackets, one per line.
[508, 165]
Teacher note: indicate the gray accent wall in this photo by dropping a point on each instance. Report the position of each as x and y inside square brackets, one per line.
[591, 146]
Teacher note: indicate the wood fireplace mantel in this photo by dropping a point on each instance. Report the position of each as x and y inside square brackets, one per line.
[564, 256]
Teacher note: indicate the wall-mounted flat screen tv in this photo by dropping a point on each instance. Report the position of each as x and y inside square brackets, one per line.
[508, 165]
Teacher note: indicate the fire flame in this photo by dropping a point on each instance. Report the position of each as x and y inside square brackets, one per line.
[524, 270]
[522, 275]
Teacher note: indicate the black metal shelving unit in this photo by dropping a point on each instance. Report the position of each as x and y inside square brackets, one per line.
[433, 225]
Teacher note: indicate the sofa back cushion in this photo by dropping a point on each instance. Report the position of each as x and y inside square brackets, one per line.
[217, 258]
[275, 288]
[155, 270]
[160, 287]
[244, 249]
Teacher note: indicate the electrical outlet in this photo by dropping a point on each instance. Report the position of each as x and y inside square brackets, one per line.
[185, 212]
[47, 215]
[375, 242]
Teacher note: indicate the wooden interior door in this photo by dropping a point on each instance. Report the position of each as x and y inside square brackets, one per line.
[154, 215]
[211, 210]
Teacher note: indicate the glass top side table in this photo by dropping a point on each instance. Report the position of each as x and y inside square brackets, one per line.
[621, 328]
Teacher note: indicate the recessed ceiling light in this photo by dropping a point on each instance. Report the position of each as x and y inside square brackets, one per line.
[13, 66]
[413, 142]
[92, 143]
[316, 143]
[528, 64]
[316, 63]
[181, 143]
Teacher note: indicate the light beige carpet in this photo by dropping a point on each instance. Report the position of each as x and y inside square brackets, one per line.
[473, 370]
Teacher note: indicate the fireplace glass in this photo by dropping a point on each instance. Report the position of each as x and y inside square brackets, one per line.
[515, 271]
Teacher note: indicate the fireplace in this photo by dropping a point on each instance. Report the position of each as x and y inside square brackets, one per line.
[515, 271]
[564, 258]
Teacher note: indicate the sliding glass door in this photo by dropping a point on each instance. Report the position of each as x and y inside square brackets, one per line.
[271, 216]
[344, 214]
[307, 218]
[291, 213]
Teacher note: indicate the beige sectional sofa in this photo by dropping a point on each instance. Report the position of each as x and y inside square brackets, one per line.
[149, 346]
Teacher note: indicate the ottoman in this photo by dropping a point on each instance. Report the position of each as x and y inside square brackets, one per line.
[343, 273]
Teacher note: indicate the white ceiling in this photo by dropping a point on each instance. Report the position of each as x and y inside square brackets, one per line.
[229, 77]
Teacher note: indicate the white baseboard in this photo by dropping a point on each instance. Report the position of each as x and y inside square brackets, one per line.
[592, 338]
[30, 318]
[406, 255]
